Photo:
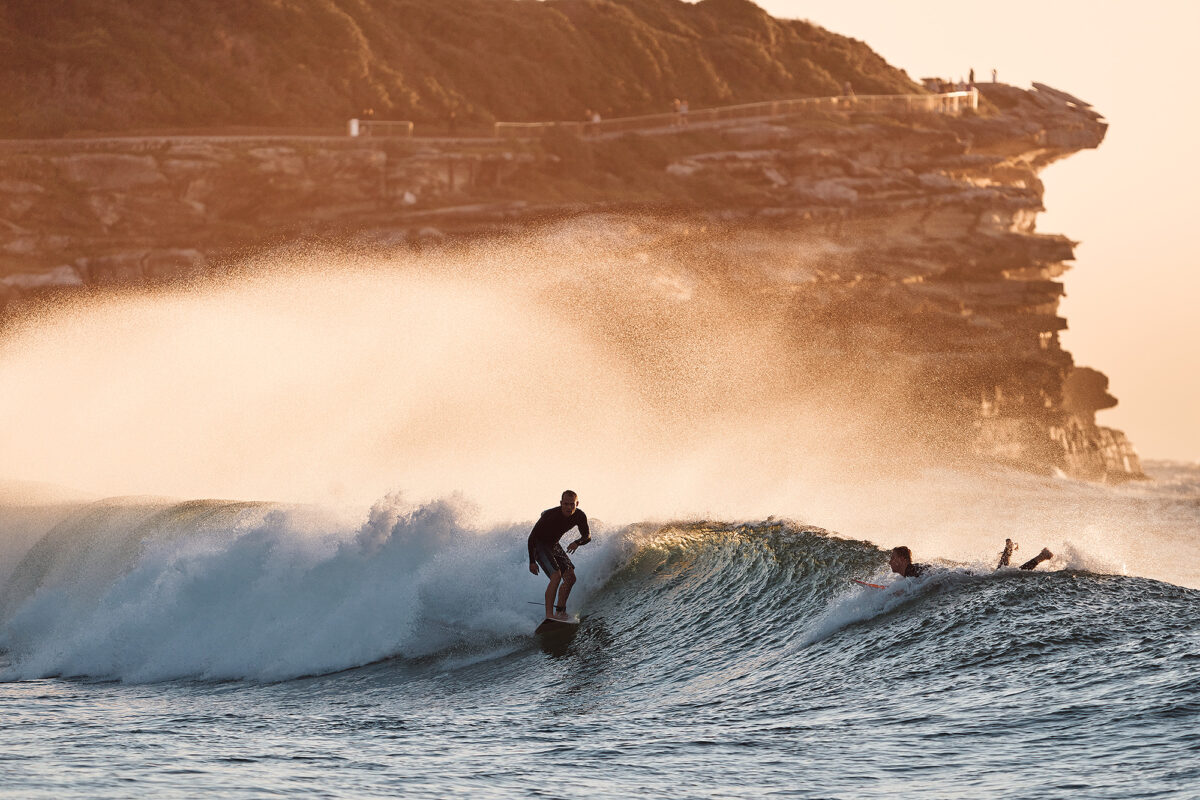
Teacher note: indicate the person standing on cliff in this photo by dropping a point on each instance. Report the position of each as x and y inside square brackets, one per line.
[546, 552]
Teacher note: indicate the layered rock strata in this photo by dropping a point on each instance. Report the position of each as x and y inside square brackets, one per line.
[896, 243]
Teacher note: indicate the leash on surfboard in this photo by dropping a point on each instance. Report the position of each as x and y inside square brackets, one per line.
[864, 583]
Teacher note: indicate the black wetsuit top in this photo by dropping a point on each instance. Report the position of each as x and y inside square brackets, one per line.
[551, 526]
[915, 570]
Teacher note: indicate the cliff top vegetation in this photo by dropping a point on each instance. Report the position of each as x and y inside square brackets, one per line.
[92, 66]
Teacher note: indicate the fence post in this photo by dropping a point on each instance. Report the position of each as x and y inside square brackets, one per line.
[352, 127]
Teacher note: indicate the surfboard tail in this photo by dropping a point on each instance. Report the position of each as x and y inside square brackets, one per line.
[557, 625]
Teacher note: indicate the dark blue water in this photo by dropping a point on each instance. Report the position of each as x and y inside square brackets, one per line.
[713, 660]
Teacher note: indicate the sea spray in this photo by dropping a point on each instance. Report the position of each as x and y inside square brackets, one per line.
[500, 371]
[504, 374]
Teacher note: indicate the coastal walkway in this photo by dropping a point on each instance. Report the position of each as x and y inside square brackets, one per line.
[943, 103]
[952, 103]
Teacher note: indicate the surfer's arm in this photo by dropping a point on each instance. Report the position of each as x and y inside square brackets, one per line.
[585, 536]
[1009, 547]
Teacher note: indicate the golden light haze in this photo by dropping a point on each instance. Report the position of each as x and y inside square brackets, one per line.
[342, 379]
[1132, 297]
[500, 372]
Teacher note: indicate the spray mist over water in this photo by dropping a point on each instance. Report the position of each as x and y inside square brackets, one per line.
[579, 357]
[505, 373]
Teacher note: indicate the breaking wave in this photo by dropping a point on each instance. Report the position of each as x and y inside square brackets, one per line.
[147, 590]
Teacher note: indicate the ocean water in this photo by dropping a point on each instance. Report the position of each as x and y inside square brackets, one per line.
[357, 619]
[153, 647]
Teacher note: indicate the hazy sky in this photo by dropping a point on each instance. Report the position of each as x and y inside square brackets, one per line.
[1132, 296]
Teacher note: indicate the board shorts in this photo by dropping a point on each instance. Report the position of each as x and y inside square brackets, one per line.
[552, 559]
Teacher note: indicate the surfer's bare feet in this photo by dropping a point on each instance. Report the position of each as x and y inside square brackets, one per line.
[1045, 555]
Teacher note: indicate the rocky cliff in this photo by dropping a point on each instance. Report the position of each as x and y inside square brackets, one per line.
[893, 244]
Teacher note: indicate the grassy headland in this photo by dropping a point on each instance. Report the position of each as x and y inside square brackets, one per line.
[94, 66]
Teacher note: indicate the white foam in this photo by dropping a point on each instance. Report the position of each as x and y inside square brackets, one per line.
[280, 593]
[861, 603]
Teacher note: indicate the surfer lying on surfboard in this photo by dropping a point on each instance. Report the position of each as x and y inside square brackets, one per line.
[545, 551]
[902, 564]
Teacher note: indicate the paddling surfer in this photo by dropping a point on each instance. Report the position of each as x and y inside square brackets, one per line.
[546, 552]
[902, 564]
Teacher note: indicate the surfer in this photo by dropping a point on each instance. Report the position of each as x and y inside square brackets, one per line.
[902, 564]
[545, 551]
[1010, 546]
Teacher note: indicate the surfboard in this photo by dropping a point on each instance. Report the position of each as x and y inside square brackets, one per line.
[557, 625]
[864, 583]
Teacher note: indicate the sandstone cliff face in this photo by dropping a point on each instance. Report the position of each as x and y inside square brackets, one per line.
[899, 244]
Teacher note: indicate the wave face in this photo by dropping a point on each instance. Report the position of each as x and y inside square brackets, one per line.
[772, 605]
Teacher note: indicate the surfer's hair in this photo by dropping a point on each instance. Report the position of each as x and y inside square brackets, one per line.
[903, 551]
[571, 494]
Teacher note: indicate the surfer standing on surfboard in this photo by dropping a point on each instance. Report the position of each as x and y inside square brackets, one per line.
[545, 551]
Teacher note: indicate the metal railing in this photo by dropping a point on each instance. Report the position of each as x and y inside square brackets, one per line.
[944, 103]
[372, 127]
